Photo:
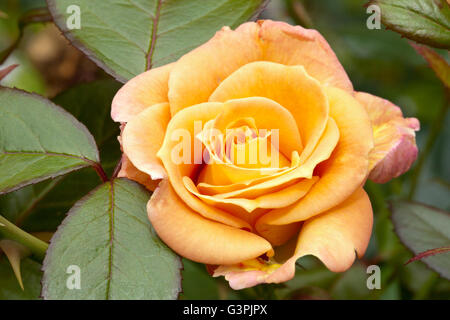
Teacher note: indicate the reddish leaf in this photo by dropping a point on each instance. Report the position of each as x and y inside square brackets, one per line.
[438, 64]
[428, 253]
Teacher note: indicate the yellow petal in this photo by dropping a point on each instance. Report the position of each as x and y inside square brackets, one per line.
[142, 138]
[344, 172]
[276, 199]
[290, 86]
[217, 189]
[181, 131]
[147, 89]
[266, 115]
[395, 147]
[197, 238]
[322, 152]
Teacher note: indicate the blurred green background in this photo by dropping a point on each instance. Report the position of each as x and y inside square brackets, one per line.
[377, 61]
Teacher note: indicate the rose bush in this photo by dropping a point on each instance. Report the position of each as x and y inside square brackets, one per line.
[266, 85]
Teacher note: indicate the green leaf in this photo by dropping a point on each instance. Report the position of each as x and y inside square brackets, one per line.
[422, 228]
[9, 287]
[90, 103]
[39, 140]
[126, 38]
[108, 236]
[438, 64]
[197, 283]
[42, 206]
[352, 284]
[424, 21]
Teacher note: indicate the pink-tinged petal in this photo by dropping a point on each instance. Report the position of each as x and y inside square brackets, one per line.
[335, 237]
[143, 136]
[141, 92]
[395, 148]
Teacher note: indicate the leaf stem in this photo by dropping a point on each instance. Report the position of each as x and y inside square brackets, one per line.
[117, 169]
[435, 130]
[101, 173]
[10, 231]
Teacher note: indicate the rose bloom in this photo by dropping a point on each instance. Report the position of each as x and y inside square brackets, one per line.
[251, 220]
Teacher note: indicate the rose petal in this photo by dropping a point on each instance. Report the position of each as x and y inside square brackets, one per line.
[265, 40]
[294, 45]
[141, 92]
[266, 114]
[212, 189]
[197, 238]
[220, 56]
[275, 199]
[304, 170]
[129, 171]
[395, 147]
[344, 172]
[143, 136]
[291, 87]
[335, 237]
[184, 125]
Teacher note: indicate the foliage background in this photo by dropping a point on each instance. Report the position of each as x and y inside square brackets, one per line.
[377, 61]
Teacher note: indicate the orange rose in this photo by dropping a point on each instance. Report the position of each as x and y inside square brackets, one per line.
[196, 128]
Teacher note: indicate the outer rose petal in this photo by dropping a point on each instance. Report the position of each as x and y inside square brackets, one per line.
[294, 45]
[265, 40]
[333, 237]
[143, 136]
[128, 170]
[344, 172]
[141, 92]
[197, 238]
[219, 57]
[395, 147]
[336, 235]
